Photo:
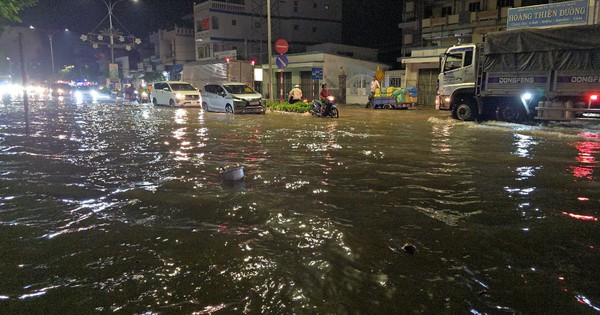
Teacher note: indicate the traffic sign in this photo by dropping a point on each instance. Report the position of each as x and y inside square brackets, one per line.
[281, 61]
[281, 46]
[317, 74]
[379, 75]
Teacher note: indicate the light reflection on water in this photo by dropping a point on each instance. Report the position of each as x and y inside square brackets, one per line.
[123, 209]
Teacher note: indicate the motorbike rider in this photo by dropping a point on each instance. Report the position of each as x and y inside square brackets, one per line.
[326, 104]
[295, 94]
[130, 93]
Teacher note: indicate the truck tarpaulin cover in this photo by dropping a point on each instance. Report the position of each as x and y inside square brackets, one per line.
[561, 48]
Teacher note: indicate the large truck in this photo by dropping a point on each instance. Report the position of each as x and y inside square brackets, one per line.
[524, 74]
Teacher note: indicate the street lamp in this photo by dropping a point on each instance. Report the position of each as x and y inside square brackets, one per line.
[9, 67]
[50, 35]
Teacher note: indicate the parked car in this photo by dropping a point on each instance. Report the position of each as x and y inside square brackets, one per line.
[231, 97]
[175, 93]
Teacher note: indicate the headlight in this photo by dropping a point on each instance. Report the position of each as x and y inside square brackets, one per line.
[179, 96]
[330, 98]
[78, 94]
[144, 94]
[94, 94]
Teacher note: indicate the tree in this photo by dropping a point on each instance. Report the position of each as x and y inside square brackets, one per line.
[9, 10]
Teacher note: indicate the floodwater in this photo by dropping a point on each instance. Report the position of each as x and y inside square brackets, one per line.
[122, 209]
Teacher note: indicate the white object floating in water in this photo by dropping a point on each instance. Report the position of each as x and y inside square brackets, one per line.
[233, 174]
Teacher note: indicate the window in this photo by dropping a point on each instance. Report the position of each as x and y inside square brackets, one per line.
[215, 23]
[234, 22]
[203, 51]
[446, 11]
[410, 7]
[468, 58]
[314, 5]
[314, 29]
[256, 24]
[458, 59]
[296, 27]
[408, 39]
[506, 3]
[202, 25]
[474, 7]
[453, 61]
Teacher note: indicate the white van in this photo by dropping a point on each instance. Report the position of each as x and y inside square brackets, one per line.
[231, 97]
[175, 93]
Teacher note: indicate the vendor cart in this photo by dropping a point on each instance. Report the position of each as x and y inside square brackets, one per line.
[394, 98]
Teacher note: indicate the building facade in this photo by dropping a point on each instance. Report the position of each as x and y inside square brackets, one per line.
[241, 26]
[172, 48]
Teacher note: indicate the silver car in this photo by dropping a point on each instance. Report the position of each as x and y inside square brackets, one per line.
[175, 93]
[231, 97]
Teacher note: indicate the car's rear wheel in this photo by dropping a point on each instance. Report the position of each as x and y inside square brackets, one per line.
[228, 109]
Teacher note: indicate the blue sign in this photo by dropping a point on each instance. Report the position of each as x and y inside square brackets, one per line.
[281, 61]
[554, 14]
[317, 74]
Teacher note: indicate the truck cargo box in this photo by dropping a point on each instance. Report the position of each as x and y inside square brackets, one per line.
[562, 48]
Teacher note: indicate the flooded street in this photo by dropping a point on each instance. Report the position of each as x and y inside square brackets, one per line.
[122, 209]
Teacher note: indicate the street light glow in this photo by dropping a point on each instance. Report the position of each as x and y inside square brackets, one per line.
[50, 35]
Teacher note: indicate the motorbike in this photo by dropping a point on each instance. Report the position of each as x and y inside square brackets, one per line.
[332, 112]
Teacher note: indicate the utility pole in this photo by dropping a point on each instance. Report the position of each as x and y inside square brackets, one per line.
[270, 50]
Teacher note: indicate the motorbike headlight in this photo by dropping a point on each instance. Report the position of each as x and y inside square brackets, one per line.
[330, 98]
[94, 94]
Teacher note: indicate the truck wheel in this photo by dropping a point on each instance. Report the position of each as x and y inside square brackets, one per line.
[509, 114]
[465, 111]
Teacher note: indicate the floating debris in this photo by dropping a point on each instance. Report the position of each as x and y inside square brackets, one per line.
[232, 174]
[409, 248]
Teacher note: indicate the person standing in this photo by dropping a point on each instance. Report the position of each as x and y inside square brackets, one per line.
[295, 94]
[374, 86]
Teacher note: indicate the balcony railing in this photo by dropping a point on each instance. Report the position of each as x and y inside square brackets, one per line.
[464, 18]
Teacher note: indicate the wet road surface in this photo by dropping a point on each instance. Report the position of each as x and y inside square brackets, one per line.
[109, 208]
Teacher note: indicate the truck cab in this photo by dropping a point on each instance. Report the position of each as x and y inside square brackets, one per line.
[457, 75]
